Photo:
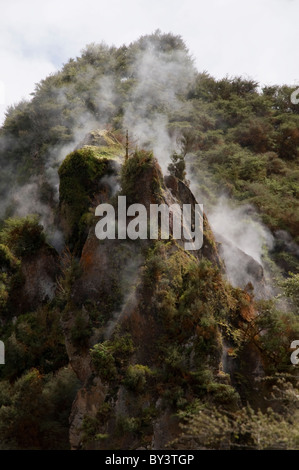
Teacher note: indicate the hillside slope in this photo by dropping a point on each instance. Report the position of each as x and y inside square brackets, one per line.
[129, 344]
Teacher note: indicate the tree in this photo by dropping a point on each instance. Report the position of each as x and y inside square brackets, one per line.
[178, 166]
[209, 428]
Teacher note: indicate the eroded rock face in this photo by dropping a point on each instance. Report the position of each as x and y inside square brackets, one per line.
[39, 271]
[115, 298]
[87, 403]
[182, 193]
[141, 320]
[86, 179]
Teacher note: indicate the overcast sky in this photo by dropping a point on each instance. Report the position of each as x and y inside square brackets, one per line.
[254, 38]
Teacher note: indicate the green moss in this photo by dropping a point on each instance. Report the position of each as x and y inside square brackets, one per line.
[83, 166]
[80, 174]
[111, 152]
[133, 172]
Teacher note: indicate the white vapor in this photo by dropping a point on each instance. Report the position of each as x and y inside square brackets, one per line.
[238, 225]
[160, 78]
[244, 241]
[37, 37]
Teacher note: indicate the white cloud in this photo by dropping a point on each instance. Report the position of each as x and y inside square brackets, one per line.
[20, 75]
[256, 38]
[2, 93]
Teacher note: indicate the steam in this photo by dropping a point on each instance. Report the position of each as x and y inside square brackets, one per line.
[22, 200]
[113, 183]
[25, 200]
[151, 92]
[244, 240]
[157, 81]
[240, 226]
[105, 101]
[160, 79]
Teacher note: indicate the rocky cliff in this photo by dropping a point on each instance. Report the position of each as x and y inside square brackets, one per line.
[124, 339]
[146, 322]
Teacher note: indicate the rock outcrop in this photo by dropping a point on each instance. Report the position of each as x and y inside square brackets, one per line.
[141, 322]
[242, 270]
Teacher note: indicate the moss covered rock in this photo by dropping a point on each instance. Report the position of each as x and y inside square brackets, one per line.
[80, 181]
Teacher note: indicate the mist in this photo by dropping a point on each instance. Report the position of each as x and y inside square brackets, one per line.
[160, 80]
[240, 225]
[147, 97]
[244, 243]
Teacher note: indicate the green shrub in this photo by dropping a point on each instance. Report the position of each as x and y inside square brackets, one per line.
[35, 340]
[136, 377]
[34, 411]
[207, 427]
[8, 262]
[23, 236]
[111, 355]
[279, 329]
[223, 394]
[127, 424]
[122, 347]
[177, 167]
[89, 429]
[174, 397]
[291, 289]
[103, 361]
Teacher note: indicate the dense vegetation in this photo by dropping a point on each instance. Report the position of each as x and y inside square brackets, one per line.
[234, 139]
[240, 136]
